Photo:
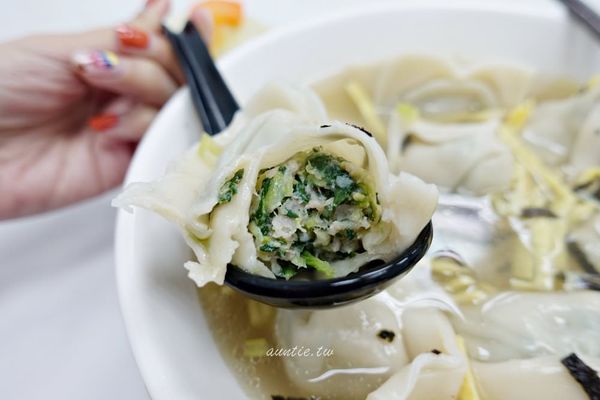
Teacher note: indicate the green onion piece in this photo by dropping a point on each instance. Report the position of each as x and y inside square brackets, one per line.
[318, 264]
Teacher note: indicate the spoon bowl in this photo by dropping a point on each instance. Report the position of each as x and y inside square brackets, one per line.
[328, 293]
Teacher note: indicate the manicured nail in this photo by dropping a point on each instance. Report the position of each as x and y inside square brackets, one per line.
[132, 37]
[149, 3]
[97, 62]
[103, 122]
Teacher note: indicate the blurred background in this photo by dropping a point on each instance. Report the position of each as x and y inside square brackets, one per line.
[61, 332]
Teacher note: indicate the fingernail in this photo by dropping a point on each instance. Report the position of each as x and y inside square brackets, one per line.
[149, 3]
[98, 62]
[132, 37]
[103, 122]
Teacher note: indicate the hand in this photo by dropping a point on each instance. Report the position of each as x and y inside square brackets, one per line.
[73, 107]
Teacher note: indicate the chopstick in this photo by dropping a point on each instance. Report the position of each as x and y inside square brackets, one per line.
[212, 99]
[191, 80]
[222, 96]
[585, 14]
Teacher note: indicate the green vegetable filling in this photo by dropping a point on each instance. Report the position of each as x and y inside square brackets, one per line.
[229, 188]
[310, 211]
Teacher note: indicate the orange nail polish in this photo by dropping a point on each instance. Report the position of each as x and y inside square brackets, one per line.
[132, 37]
[103, 122]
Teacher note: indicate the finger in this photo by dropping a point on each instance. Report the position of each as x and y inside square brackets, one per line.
[151, 17]
[104, 38]
[123, 119]
[141, 78]
[204, 23]
[138, 42]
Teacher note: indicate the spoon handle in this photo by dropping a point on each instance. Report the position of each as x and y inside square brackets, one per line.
[212, 99]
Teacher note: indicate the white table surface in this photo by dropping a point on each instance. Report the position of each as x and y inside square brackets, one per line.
[61, 332]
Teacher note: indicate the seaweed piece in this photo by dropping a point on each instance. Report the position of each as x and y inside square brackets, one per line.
[583, 185]
[436, 352]
[409, 139]
[360, 128]
[537, 212]
[587, 377]
[591, 187]
[581, 258]
[574, 280]
[325, 126]
[386, 335]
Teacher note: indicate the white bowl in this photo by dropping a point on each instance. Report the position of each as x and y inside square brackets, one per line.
[169, 335]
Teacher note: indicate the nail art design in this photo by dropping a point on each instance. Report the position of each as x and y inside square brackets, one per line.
[132, 37]
[96, 61]
[103, 122]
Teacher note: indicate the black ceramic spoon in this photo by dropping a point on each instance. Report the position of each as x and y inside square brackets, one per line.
[216, 106]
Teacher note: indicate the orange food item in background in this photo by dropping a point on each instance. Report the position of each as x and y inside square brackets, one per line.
[223, 12]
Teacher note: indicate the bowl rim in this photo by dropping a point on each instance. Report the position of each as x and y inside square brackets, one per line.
[554, 10]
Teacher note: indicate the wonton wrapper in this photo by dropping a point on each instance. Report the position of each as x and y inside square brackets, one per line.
[545, 323]
[458, 157]
[565, 131]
